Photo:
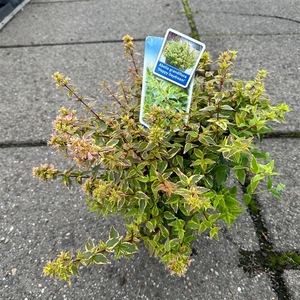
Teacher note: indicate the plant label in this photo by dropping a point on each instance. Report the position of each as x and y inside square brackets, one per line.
[178, 58]
[157, 91]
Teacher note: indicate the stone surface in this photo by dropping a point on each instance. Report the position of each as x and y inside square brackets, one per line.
[82, 39]
[293, 282]
[282, 217]
[30, 101]
[39, 220]
[92, 21]
[288, 10]
[274, 54]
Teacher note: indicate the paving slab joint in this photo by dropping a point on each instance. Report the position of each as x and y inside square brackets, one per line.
[248, 15]
[266, 259]
[30, 143]
[290, 134]
[194, 32]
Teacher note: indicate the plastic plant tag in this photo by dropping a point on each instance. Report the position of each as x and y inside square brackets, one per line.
[159, 92]
[178, 58]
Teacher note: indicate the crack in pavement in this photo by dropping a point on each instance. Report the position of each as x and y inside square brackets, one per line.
[43, 143]
[249, 15]
[64, 44]
[20, 144]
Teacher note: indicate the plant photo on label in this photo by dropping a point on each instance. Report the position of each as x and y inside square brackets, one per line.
[167, 183]
[180, 54]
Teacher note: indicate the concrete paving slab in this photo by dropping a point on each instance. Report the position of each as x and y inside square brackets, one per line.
[80, 39]
[293, 281]
[29, 99]
[285, 9]
[282, 217]
[39, 220]
[219, 23]
[88, 21]
[279, 55]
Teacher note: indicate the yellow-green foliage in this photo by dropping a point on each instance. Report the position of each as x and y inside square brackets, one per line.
[168, 185]
[179, 54]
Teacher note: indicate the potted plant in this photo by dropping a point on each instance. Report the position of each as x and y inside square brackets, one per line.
[179, 54]
[168, 185]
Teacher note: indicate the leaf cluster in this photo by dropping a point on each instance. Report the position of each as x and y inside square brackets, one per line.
[179, 54]
[169, 185]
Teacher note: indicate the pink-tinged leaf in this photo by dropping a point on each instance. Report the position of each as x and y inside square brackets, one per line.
[90, 156]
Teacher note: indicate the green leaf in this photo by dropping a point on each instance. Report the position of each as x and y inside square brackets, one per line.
[112, 143]
[86, 173]
[214, 233]
[162, 166]
[128, 248]
[173, 152]
[179, 160]
[100, 259]
[166, 175]
[269, 182]
[226, 107]
[164, 230]
[167, 245]
[182, 192]
[141, 195]
[133, 211]
[180, 233]
[269, 166]
[197, 162]
[253, 184]
[198, 153]
[125, 162]
[208, 108]
[275, 193]
[111, 243]
[203, 226]
[87, 255]
[96, 169]
[183, 178]
[142, 146]
[89, 245]
[66, 180]
[153, 175]
[131, 173]
[247, 199]
[174, 242]
[142, 205]
[143, 179]
[228, 218]
[178, 223]
[239, 119]
[213, 218]
[174, 206]
[113, 233]
[169, 215]
[222, 123]
[187, 147]
[194, 179]
[150, 225]
[74, 270]
[257, 177]
[154, 211]
[221, 174]
[254, 165]
[191, 224]
[240, 175]
[280, 187]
